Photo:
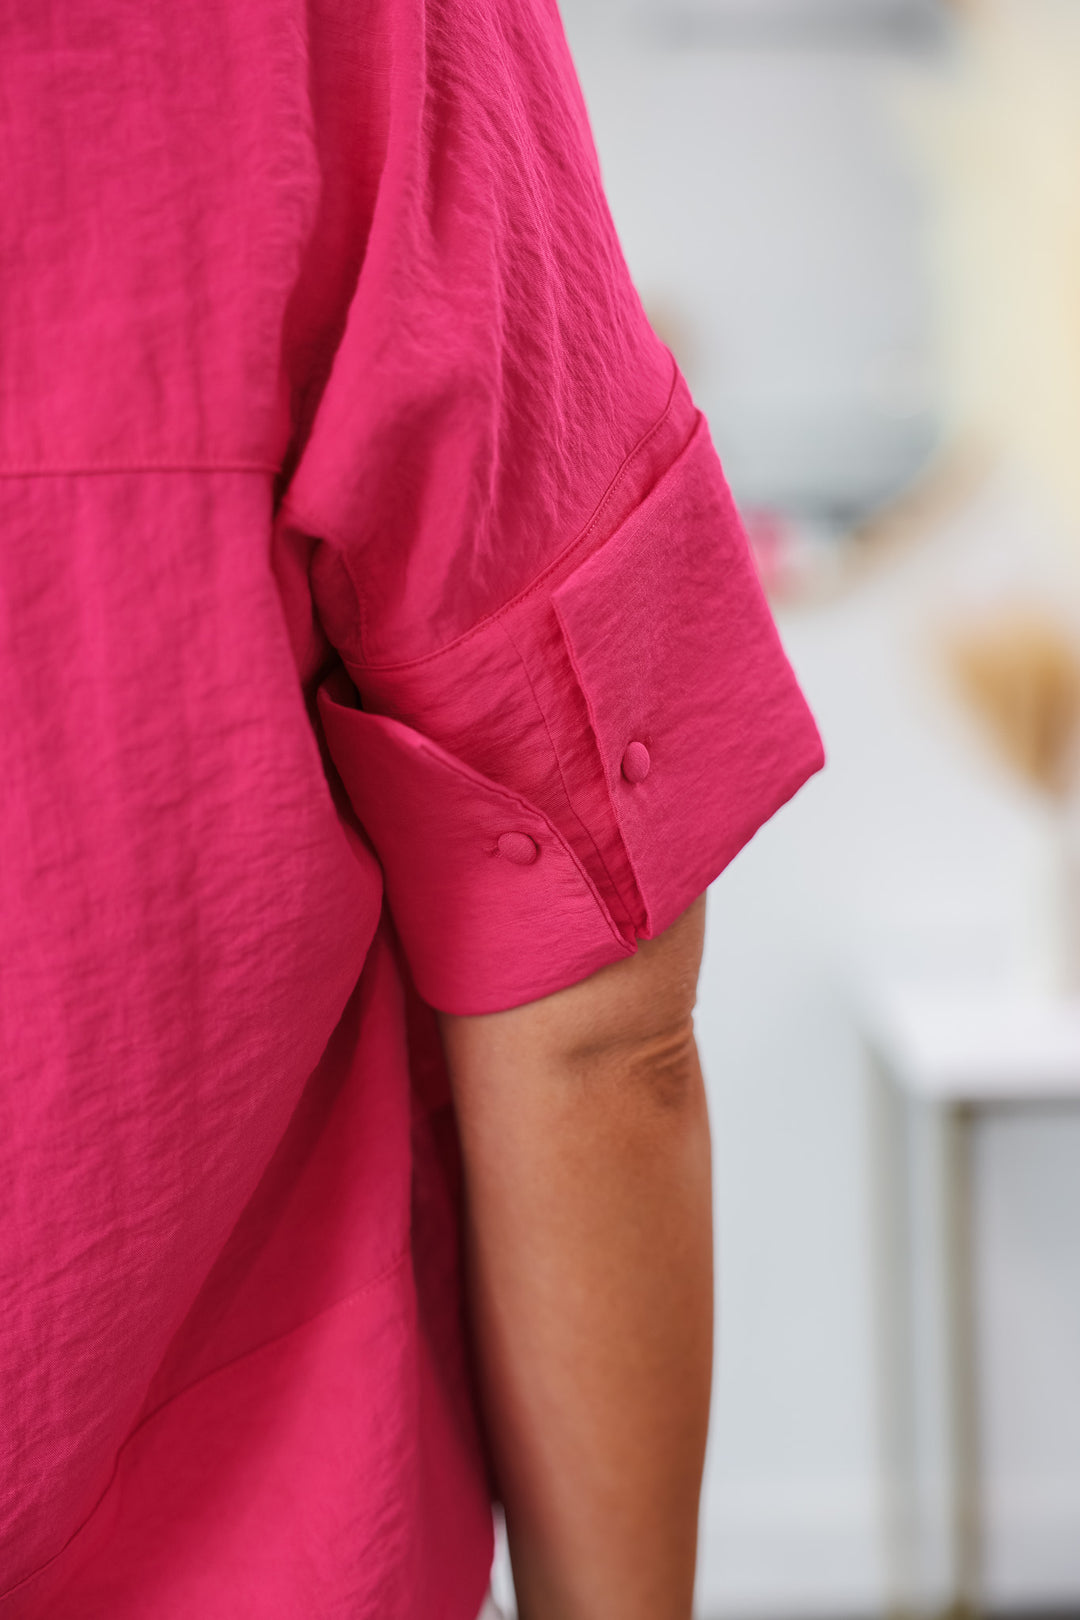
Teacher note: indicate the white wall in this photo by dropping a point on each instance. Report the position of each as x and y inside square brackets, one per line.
[769, 218]
[806, 343]
[910, 853]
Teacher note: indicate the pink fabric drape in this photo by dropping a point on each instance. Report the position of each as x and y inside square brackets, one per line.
[378, 634]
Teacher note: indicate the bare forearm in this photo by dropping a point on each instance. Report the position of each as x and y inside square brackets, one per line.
[590, 1256]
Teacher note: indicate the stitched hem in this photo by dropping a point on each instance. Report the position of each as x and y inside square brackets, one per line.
[246, 1355]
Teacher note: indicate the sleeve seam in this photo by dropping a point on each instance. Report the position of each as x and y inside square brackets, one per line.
[556, 562]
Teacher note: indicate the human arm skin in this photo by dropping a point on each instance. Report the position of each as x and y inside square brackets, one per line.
[587, 1169]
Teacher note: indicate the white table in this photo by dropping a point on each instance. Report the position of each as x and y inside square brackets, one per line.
[940, 1058]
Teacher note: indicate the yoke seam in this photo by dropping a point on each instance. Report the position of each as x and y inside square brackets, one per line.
[103, 469]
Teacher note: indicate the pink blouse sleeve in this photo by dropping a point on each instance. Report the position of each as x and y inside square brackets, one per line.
[562, 706]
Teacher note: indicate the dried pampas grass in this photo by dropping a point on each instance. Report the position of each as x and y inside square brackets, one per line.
[1020, 672]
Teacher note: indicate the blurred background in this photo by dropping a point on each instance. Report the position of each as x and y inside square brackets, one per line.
[857, 225]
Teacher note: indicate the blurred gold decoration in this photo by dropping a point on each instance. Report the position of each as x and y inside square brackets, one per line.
[1020, 671]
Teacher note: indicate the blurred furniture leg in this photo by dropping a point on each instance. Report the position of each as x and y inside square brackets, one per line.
[938, 1060]
[958, 1122]
[892, 1288]
[912, 1329]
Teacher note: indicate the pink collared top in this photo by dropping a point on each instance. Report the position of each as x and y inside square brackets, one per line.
[377, 635]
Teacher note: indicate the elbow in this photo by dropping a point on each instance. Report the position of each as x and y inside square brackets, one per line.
[657, 1080]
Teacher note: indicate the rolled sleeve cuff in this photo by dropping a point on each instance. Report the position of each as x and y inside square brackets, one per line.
[492, 905]
[568, 777]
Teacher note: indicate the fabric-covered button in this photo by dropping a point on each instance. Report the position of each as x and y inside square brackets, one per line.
[636, 762]
[518, 847]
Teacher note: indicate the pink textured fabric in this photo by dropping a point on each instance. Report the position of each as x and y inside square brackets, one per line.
[354, 526]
